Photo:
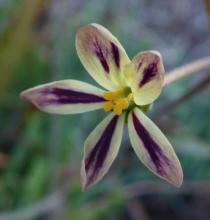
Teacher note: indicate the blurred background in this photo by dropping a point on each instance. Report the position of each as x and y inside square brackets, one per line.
[40, 154]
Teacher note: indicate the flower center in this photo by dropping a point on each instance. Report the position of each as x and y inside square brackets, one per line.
[118, 100]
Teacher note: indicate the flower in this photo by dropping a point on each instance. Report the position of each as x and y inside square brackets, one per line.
[132, 85]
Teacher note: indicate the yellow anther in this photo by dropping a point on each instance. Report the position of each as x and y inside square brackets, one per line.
[113, 95]
[123, 103]
[108, 106]
[117, 109]
[117, 101]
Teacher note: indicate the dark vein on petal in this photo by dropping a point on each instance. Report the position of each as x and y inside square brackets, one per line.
[154, 150]
[116, 54]
[139, 66]
[52, 96]
[101, 54]
[98, 155]
[149, 73]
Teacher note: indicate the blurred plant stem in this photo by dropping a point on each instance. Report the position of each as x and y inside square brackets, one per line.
[187, 70]
[194, 90]
[16, 41]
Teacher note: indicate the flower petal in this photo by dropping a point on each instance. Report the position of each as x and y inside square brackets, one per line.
[145, 75]
[153, 148]
[102, 55]
[100, 149]
[65, 97]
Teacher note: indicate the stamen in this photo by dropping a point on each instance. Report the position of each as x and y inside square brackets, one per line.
[117, 101]
[123, 103]
[108, 106]
[113, 95]
[117, 110]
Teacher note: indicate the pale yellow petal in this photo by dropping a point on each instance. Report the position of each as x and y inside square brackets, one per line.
[65, 97]
[100, 149]
[102, 55]
[145, 76]
[153, 148]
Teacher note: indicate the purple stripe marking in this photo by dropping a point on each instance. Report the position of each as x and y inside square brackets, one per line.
[139, 66]
[116, 54]
[156, 154]
[66, 96]
[101, 54]
[149, 73]
[97, 156]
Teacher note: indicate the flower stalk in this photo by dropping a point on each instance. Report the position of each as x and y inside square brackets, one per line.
[194, 67]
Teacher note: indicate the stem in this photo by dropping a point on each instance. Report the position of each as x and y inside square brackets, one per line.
[170, 106]
[186, 70]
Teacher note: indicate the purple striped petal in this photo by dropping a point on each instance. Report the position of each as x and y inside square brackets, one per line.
[100, 149]
[101, 52]
[145, 74]
[56, 96]
[96, 158]
[115, 54]
[153, 149]
[65, 97]
[150, 73]
[102, 55]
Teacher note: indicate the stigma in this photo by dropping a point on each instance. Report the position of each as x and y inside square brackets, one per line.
[117, 101]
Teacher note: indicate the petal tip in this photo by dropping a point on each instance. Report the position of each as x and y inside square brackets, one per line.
[176, 180]
[179, 181]
[32, 96]
[83, 177]
[23, 95]
[26, 95]
[85, 184]
[155, 52]
[85, 187]
[177, 184]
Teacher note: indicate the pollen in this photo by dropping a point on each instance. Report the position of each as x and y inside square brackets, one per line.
[122, 103]
[117, 101]
[108, 106]
[113, 95]
[117, 110]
